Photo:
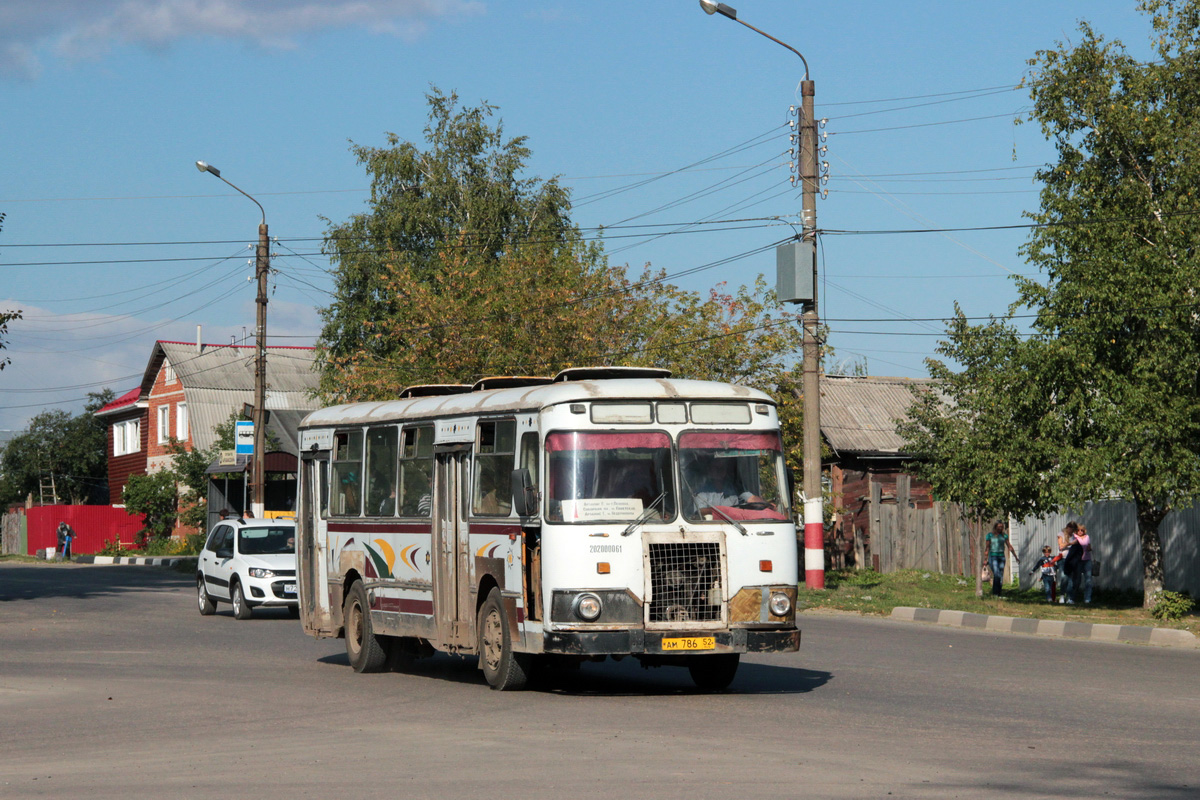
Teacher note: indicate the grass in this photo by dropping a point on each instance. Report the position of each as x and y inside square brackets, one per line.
[868, 592]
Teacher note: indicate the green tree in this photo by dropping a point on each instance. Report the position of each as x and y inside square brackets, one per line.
[1101, 400]
[463, 195]
[69, 448]
[156, 496]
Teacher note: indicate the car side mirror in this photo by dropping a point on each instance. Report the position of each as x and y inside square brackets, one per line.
[524, 493]
[224, 554]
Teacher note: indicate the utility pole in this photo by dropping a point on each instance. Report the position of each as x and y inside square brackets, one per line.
[262, 268]
[814, 507]
[814, 510]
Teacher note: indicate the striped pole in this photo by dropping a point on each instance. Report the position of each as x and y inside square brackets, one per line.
[814, 544]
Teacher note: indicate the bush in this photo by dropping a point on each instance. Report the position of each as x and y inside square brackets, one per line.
[1172, 605]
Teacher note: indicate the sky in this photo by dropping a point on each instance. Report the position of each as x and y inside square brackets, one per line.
[669, 126]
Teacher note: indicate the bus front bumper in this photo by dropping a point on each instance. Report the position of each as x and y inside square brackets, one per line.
[637, 642]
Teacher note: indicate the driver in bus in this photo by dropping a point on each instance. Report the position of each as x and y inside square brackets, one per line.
[721, 487]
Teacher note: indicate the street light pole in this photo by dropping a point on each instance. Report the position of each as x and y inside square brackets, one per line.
[814, 512]
[262, 268]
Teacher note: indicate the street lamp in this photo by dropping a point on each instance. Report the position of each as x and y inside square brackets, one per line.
[258, 415]
[814, 523]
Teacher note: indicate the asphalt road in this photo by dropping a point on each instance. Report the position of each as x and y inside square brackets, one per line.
[112, 685]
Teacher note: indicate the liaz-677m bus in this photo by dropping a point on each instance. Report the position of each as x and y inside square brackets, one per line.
[606, 512]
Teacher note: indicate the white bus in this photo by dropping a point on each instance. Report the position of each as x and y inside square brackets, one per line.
[604, 512]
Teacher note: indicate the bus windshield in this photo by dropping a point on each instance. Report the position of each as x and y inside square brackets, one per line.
[609, 477]
[733, 476]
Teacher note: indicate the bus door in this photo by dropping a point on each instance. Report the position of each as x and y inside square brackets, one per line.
[452, 604]
[312, 552]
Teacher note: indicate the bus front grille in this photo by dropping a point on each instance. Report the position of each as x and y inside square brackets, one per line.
[685, 582]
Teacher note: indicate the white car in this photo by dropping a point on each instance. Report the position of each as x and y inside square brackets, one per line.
[248, 563]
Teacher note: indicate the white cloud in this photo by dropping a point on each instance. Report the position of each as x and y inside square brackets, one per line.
[57, 359]
[88, 29]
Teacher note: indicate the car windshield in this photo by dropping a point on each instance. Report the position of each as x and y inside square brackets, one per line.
[728, 475]
[609, 477]
[261, 541]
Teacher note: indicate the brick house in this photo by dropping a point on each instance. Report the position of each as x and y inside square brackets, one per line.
[128, 426]
[188, 389]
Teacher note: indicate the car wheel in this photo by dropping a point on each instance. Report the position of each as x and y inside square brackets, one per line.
[504, 669]
[203, 598]
[713, 673]
[241, 609]
[366, 652]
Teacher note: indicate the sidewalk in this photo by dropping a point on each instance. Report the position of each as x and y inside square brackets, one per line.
[147, 561]
[1135, 634]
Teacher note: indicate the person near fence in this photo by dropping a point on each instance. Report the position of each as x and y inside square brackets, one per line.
[1045, 565]
[65, 535]
[1070, 566]
[997, 542]
[1085, 563]
[1064, 544]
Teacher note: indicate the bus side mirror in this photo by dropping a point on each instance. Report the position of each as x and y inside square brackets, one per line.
[524, 493]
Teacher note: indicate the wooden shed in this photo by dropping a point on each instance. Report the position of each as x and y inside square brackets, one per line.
[884, 518]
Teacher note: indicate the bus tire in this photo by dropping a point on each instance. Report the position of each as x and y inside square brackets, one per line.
[207, 605]
[241, 609]
[504, 669]
[713, 673]
[363, 647]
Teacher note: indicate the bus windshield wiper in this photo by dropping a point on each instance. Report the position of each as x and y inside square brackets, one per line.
[645, 515]
[741, 528]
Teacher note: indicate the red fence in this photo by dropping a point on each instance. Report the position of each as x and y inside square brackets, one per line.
[93, 525]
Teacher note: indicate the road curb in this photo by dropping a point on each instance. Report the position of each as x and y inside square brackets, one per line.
[1098, 632]
[145, 561]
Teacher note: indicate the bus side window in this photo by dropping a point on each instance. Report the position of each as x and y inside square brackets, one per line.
[347, 473]
[416, 468]
[381, 472]
[494, 454]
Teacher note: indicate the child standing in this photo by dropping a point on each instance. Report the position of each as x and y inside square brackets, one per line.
[1045, 565]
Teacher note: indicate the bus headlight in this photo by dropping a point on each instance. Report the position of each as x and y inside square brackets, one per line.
[781, 604]
[588, 607]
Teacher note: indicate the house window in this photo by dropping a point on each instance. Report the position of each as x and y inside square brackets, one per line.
[127, 437]
[168, 372]
[164, 424]
[181, 422]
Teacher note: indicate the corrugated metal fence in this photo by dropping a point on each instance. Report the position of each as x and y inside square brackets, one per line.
[1112, 526]
[93, 525]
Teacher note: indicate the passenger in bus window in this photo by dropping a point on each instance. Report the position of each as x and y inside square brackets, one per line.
[416, 499]
[387, 506]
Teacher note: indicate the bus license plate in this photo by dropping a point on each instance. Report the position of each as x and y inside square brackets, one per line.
[689, 643]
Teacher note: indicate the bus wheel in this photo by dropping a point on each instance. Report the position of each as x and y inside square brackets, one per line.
[503, 669]
[364, 649]
[207, 604]
[713, 673]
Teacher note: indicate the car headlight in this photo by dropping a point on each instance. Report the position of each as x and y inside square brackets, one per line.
[781, 604]
[259, 572]
[588, 607]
